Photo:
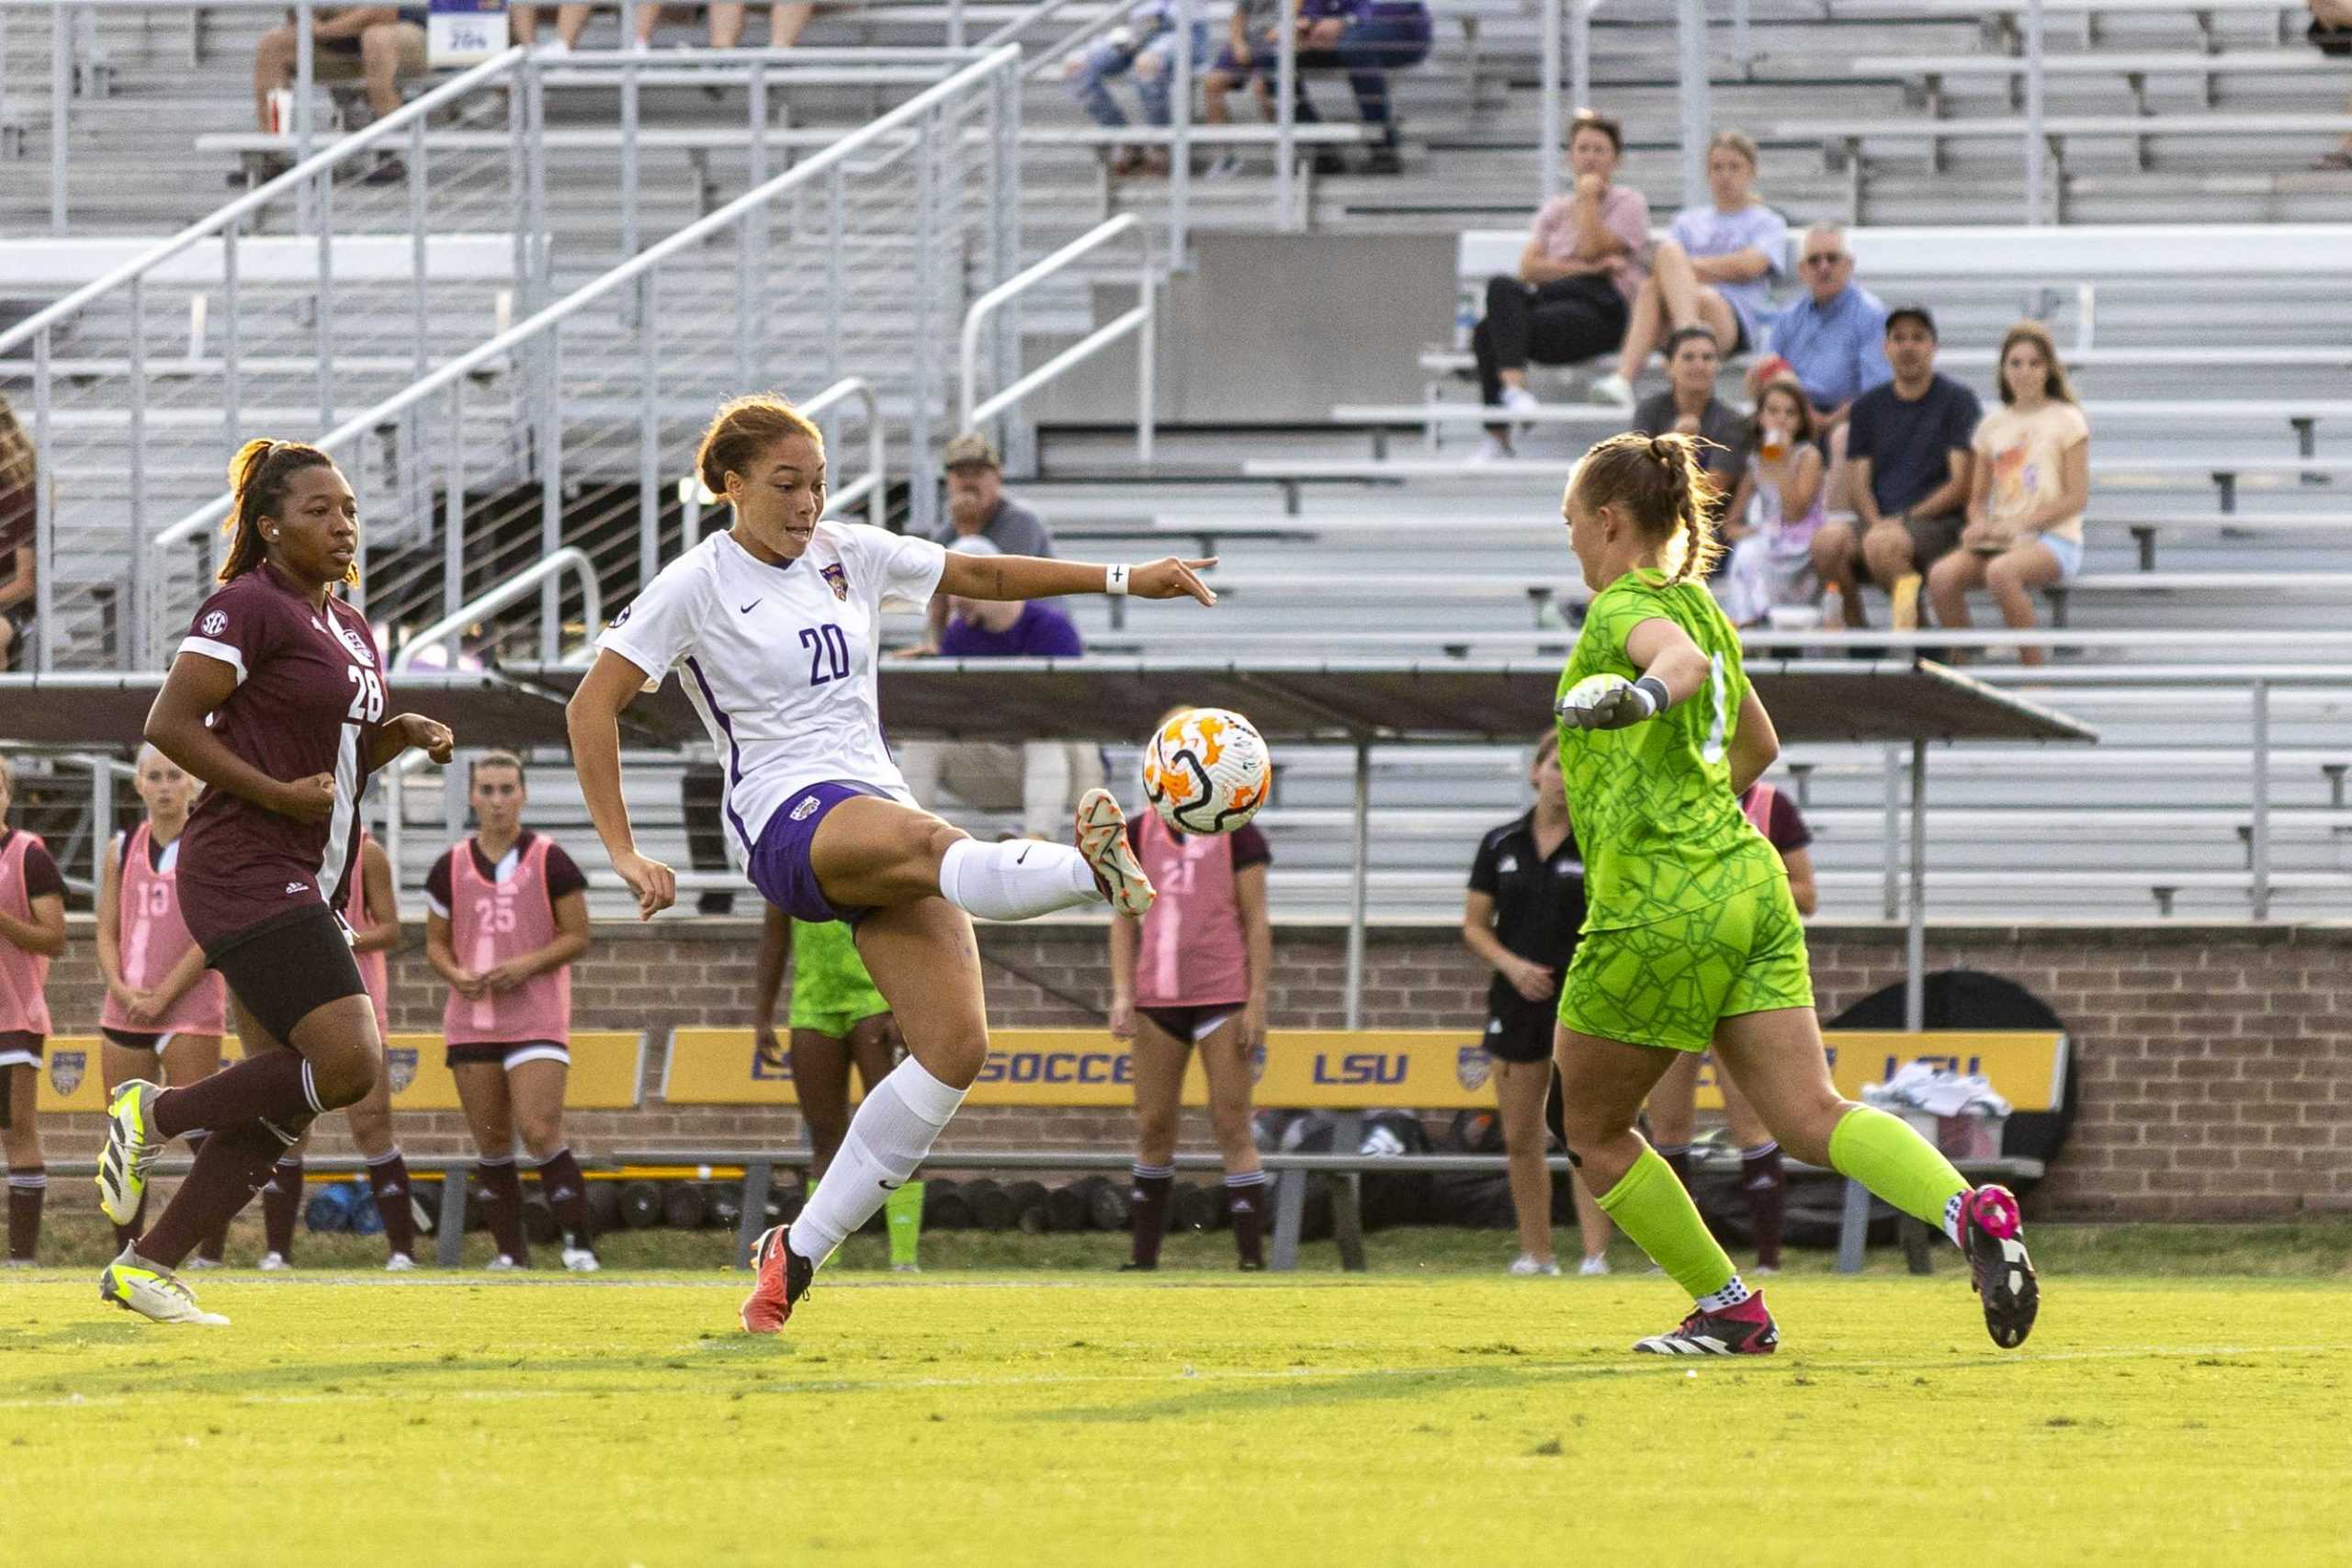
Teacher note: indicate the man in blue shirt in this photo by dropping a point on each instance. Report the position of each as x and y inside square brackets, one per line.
[1833, 338]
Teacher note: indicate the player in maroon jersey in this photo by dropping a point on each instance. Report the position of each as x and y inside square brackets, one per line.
[277, 701]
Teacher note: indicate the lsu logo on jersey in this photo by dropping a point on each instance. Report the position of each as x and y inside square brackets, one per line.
[835, 579]
[400, 1067]
[808, 807]
[66, 1069]
[1471, 1066]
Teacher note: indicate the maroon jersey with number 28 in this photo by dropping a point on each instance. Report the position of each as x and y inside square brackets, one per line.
[309, 700]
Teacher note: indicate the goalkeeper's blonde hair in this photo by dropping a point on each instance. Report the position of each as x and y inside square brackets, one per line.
[1659, 483]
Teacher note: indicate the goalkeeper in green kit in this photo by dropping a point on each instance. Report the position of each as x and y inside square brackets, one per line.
[1692, 938]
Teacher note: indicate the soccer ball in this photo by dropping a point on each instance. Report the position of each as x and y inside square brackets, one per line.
[1206, 771]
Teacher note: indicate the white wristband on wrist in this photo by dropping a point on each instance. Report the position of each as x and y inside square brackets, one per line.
[1115, 581]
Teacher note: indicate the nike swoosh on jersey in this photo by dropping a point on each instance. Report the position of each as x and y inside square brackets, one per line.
[754, 604]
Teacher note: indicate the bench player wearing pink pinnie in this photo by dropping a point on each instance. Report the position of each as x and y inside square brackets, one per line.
[1192, 973]
[372, 912]
[164, 1012]
[32, 931]
[506, 912]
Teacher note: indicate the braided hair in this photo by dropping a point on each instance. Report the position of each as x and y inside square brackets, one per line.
[1658, 482]
[257, 479]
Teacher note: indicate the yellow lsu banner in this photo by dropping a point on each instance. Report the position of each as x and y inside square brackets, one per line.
[1340, 1069]
[606, 1067]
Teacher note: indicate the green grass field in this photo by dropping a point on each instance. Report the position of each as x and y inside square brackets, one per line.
[1424, 1413]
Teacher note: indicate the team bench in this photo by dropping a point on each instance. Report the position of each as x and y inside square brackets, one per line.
[1346, 1072]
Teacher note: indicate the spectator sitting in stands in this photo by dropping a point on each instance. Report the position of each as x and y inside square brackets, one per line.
[378, 45]
[1043, 778]
[785, 23]
[977, 507]
[1714, 269]
[1833, 338]
[1775, 511]
[19, 553]
[1585, 261]
[1145, 45]
[1373, 37]
[571, 21]
[2331, 33]
[1688, 407]
[2030, 485]
[1367, 39]
[1908, 449]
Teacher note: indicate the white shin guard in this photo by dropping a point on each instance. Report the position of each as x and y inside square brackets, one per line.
[893, 1130]
[1016, 881]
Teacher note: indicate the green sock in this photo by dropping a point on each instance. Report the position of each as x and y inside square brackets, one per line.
[1886, 1156]
[904, 1211]
[1652, 1207]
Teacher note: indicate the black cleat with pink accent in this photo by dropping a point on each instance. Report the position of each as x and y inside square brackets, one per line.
[1992, 1232]
[1744, 1330]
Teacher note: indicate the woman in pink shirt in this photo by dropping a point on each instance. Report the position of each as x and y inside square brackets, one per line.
[164, 1012]
[1191, 973]
[506, 912]
[32, 931]
[1585, 262]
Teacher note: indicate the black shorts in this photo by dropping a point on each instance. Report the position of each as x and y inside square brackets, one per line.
[134, 1039]
[21, 1048]
[1191, 1025]
[1517, 1029]
[288, 967]
[508, 1054]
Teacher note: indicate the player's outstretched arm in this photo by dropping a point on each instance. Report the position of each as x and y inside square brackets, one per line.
[592, 720]
[1671, 668]
[1033, 576]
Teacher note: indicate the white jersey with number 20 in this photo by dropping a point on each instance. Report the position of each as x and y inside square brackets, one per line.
[779, 659]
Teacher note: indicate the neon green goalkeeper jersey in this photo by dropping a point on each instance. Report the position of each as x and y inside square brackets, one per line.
[1661, 833]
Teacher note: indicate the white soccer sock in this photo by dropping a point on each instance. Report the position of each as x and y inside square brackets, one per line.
[893, 1130]
[1016, 881]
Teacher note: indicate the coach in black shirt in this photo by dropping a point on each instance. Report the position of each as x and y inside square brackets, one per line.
[1522, 918]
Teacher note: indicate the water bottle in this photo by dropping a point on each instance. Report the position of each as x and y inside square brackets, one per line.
[1465, 321]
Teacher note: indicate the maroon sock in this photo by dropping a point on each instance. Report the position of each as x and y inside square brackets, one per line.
[214, 1247]
[566, 1191]
[389, 1178]
[230, 1168]
[28, 1185]
[501, 1205]
[1678, 1160]
[273, 1087]
[1246, 1203]
[1147, 1211]
[125, 1234]
[281, 1201]
[1765, 1189]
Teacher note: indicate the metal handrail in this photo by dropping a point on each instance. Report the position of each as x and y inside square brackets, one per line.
[334, 152]
[570, 558]
[573, 304]
[1140, 320]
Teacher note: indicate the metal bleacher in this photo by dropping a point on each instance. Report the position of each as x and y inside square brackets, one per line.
[1412, 556]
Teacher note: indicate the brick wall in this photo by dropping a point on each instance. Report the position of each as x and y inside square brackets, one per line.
[2215, 1062]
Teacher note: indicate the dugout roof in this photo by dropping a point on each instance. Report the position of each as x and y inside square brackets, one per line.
[1096, 699]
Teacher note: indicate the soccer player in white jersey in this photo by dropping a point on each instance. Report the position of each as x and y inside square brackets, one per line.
[772, 626]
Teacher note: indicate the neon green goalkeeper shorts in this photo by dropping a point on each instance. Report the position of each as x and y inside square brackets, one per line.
[832, 993]
[1669, 983]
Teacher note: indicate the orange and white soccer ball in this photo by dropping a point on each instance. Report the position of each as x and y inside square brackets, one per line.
[1206, 771]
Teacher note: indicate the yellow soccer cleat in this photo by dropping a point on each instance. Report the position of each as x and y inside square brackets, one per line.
[130, 1147]
[156, 1293]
